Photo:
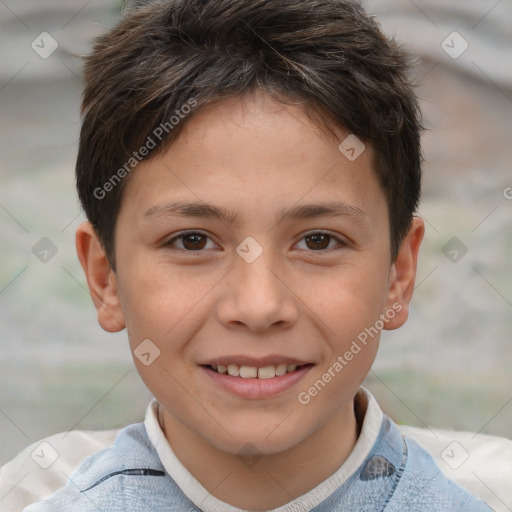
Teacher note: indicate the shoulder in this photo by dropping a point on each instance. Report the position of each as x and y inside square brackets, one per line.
[41, 468]
[423, 487]
[481, 464]
[104, 479]
[130, 451]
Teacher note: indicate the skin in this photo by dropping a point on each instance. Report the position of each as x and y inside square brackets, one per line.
[253, 156]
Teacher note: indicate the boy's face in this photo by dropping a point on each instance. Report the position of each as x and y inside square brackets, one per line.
[254, 286]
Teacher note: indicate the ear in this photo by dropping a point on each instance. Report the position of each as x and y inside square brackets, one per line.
[100, 278]
[403, 274]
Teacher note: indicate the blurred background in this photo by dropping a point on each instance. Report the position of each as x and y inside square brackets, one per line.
[450, 366]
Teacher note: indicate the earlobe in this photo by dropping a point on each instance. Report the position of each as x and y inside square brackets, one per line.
[100, 277]
[403, 275]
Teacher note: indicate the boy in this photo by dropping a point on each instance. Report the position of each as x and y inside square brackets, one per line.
[250, 171]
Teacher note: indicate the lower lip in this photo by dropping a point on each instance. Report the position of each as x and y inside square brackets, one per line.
[257, 388]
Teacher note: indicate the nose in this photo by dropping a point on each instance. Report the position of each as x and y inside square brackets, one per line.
[258, 295]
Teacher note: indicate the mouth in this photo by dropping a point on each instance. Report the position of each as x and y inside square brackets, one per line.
[255, 381]
[256, 372]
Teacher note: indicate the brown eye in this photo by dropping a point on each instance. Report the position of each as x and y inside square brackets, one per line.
[318, 241]
[194, 241]
[191, 241]
[321, 241]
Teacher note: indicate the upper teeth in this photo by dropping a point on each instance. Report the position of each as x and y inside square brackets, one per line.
[247, 372]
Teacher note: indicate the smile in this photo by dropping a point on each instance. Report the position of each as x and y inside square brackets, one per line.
[253, 372]
[255, 382]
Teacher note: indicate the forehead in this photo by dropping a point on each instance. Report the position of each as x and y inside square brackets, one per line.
[263, 123]
[256, 147]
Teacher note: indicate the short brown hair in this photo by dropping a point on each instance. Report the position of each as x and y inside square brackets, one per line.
[328, 54]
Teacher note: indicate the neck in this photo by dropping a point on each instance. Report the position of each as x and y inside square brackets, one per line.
[274, 479]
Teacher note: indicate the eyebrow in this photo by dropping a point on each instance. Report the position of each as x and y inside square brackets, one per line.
[210, 211]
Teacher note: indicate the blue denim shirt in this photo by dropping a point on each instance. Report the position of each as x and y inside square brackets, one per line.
[396, 476]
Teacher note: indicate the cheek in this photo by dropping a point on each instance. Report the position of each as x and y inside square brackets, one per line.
[348, 297]
[165, 308]
[152, 299]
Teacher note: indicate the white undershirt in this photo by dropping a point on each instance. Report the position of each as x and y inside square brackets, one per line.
[370, 428]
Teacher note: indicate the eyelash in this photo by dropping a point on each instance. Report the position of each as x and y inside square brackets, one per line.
[340, 242]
